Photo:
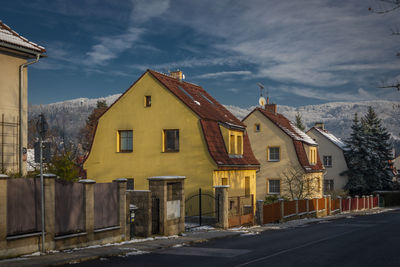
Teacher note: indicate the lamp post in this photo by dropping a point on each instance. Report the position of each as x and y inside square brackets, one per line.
[41, 127]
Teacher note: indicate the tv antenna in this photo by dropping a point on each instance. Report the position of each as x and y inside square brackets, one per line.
[261, 100]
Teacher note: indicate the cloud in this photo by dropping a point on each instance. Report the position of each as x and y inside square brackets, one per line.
[110, 47]
[223, 73]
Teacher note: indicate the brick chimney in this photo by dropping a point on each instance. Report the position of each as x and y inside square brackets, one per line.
[270, 107]
[320, 125]
[176, 74]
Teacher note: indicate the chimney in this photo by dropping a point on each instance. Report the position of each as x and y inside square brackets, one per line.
[176, 74]
[271, 107]
[320, 125]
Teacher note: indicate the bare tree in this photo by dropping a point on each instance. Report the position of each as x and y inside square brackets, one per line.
[296, 184]
[386, 6]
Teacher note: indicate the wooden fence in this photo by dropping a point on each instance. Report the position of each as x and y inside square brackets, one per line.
[317, 207]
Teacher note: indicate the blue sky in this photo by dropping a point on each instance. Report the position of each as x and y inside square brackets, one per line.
[304, 52]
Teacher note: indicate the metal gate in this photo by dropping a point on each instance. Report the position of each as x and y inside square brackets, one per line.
[155, 215]
[201, 209]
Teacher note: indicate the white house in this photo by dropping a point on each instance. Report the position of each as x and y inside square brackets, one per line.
[331, 151]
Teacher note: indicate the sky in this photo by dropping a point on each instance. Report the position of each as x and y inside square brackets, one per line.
[303, 52]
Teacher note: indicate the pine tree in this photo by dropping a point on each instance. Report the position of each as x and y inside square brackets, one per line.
[355, 156]
[368, 152]
[299, 122]
[88, 131]
[379, 152]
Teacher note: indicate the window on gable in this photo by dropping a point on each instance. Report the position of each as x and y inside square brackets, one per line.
[125, 140]
[327, 161]
[147, 101]
[273, 154]
[171, 140]
[274, 186]
[257, 127]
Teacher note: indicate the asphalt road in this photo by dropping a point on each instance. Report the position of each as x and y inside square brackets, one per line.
[372, 240]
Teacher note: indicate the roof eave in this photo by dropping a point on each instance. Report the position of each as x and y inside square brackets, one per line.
[30, 53]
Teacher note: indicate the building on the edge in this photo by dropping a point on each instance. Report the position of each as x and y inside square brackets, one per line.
[288, 157]
[331, 150]
[16, 53]
[165, 126]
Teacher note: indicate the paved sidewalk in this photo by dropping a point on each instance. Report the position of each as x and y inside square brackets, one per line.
[147, 245]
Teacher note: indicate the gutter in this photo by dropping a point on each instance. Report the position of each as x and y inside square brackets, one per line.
[21, 88]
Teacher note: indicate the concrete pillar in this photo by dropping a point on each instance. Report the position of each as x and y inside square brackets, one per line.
[357, 197]
[328, 204]
[297, 206]
[316, 207]
[89, 208]
[142, 223]
[282, 208]
[171, 203]
[307, 205]
[340, 204]
[260, 212]
[122, 206]
[221, 193]
[49, 181]
[3, 211]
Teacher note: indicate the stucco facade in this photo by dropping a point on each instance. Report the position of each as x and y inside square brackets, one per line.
[264, 134]
[147, 158]
[334, 162]
[14, 52]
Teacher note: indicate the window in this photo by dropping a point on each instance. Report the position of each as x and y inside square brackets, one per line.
[247, 186]
[232, 144]
[239, 144]
[224, 181]
[273, 154]
[328, 185]
[171, 140]
[313, 155]
[257, 127]
[147, 101]
[274, 186]
[125, 141]
[327, 161]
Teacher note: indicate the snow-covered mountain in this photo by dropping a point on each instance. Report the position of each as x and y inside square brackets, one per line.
[71, 115]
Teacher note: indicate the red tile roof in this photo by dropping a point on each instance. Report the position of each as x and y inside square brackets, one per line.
[298, 137]
[198, 100]
[217, 148]
[10, 37]
[211, 114]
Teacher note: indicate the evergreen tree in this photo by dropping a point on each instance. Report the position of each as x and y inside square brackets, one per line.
[88, 131]
[355, 157]
[368, 152]
[379, 152]
[299, 122]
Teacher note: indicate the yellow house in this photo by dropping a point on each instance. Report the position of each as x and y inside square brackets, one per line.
[163, 126]
[289, 161]
[16, 53]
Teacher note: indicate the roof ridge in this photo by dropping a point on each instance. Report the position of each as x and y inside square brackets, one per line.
[167, 76]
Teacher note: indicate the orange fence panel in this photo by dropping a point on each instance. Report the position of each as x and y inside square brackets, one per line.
[321, 203]
[302, 206]
[289, 208]
[272, 212]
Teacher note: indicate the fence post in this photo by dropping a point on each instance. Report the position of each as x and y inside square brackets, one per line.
[49, 181]
[329, 205]
[89, 208]
[357, 202]
[349, 198]
[239, 211]
[363, 197]
[307, 206]
[3, 210]
[282, 208]
[122, 206]
[297, 206]
[260, 212]
[371, 200]
[221, 193]
[340, 204]
[316, 207]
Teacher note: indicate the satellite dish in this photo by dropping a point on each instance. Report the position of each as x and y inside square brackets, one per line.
[262, 101]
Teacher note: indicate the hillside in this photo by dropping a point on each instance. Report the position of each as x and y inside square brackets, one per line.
[69, 116]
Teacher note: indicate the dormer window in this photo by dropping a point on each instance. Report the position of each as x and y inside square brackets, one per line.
[235, 143]
[147, 101]
[313, 155]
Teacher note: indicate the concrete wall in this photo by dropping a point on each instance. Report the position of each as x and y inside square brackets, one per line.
[271, 135]
[12, 246]
[327, 148]
[9, 106]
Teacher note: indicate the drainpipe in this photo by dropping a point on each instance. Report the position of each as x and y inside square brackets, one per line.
[21, 88]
